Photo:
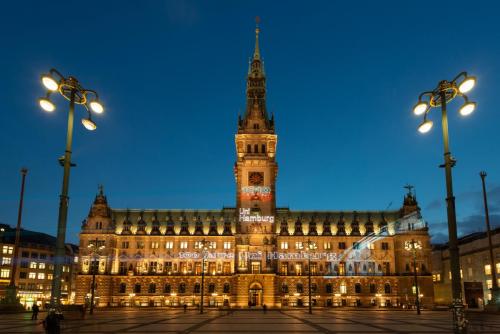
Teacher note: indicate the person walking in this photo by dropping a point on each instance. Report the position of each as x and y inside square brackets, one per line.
[35, 309]
[51, 323]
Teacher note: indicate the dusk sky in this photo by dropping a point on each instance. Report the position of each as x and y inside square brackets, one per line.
[342, 78]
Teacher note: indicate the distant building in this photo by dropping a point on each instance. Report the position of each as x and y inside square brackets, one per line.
[35, 267]
[475, 269]
[258, 253]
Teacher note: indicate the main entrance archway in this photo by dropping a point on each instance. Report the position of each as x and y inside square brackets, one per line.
[255, 294]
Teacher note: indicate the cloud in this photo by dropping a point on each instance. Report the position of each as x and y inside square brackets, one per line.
[434, 205]
[468, 225]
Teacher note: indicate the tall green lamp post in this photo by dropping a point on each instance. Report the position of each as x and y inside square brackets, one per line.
[440, 97]
[73, 91]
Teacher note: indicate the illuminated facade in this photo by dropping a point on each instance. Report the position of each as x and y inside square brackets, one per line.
[259, 253]
[35, 266]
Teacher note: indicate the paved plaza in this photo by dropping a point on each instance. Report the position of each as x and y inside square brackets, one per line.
[274, 321]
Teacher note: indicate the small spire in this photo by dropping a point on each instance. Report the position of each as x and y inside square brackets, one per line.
[256, 54]
[101, 189]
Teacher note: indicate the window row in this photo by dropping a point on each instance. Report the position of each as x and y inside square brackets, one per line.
[327, 245]
[182, 267]
[181, 288]
[182, 245]
[340, 268]
[329, 288]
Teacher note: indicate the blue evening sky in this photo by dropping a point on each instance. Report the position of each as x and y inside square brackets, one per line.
[342, 79]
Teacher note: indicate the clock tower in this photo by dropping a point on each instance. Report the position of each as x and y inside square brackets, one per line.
[256, 169]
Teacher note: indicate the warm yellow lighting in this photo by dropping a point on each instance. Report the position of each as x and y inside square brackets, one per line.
[46, 104]
[467, 84]
[420, 108]
[468, 108]
[425, 126]
[50, 83]
[96, 107]
[88, 124]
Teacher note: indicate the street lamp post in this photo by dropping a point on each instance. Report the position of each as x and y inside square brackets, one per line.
[11, 290]
[495, 291]
[310, 246]
[439, 97]
[73, 91]
[413, 246]
[94, 249]
[204, 246]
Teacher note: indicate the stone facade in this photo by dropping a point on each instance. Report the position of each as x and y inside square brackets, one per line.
[475, 266]
[259, 253]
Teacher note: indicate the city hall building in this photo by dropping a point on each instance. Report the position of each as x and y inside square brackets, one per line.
[254, 253]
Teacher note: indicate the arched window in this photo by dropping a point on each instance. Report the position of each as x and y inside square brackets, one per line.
[152, 288]
[227, 288]
[329, 288]
[256, 148]
[167, 288]
[249, 148]
[182, 288]
[300, 288]
[357, 288]
[137, 288]
[211, 288]
[197, 288]
[123, 287]
[387, 288]
[284, 288]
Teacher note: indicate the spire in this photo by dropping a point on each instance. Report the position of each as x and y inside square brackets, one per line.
[256, 53]
[256, 118]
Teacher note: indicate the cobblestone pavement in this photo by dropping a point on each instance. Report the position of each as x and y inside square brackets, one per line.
[274, 321]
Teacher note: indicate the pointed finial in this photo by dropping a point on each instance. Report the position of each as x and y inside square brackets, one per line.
[101, 190]
[256, 54]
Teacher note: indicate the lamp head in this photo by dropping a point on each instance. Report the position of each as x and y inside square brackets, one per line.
[49, 82]
[96, 107]
[425, 127]
[420, 108]
[467, 108]
[467, 85]
[89, 124]
[46, 104]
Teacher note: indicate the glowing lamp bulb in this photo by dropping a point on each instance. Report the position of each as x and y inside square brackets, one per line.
[420, 108]
[467, 84]
[50, 83]
[46, 104]
[88, 124]
[96, 107]
[467, 109]
[425, 127]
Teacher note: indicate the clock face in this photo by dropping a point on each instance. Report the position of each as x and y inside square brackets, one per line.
[256, 178]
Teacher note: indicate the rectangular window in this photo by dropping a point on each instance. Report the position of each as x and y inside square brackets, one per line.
[33, 265]
[284, 268]
[342, 245]
[34, 255]
[498, 267]
[184, 245]
[32, 275]
[327, 245]
[140, 244]
[342, 268]
[487, 269]
[6, 261]
[298, 268]
[489, 283]
[125, 244]
[343, 288]
[155, 245]
[284, 245]
[43, 256]
[227, 268]
[299, 245]
[168, 267]
[41, 265]
[227, 244]
[385, 246]
[5, 273]
[25, 254]
[213, 245]
[41, 276]
[50, 276]
[255, 267]
[169, 245]
[23, 274]
[7, 249]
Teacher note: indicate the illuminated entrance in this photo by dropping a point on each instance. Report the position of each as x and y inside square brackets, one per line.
[255, 294]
